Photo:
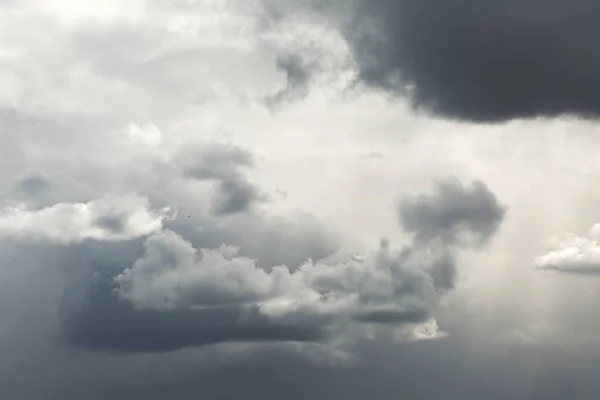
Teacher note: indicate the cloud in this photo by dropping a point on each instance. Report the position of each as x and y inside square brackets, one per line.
[481, 61]
[235, 196]
[32, 183]
[148, 134]
[451, 211]
[131, 85]
[174, 296]
[215, 161]
[108, 218]
[188, 296]
[299, 74]
[573, 254]
[224, 164]
[454, 215]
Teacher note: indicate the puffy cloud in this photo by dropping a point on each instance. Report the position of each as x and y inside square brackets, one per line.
[454, 215]
[148, 134]
[108, 218]
[224, 164]
[573, 254]
[482, 60]
[452, 211]
[177, 295]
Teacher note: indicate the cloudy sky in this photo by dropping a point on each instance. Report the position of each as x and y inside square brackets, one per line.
[340, 199]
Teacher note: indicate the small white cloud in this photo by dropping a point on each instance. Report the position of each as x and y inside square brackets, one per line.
[147, 134]
[575, 254]
[111, 218]
[173, 275]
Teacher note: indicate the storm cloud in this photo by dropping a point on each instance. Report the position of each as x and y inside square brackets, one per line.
[482, 61]
[574, 254]
[172, 295]
[451, 211]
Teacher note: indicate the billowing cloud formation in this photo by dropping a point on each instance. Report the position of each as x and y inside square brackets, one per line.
[174, 295]
[482, 60]
[109, 218]
[573, 254]
[453, 215]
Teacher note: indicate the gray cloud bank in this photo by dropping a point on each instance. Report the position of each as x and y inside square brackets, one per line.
[163, 293]
[476, 60]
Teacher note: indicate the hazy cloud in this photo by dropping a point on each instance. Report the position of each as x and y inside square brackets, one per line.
[452, 211]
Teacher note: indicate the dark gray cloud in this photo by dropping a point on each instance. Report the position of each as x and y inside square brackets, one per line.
[32, 183]
[160, 302]
[480, 60]
[164, 293]
[299, 74]
[215, 161]
[452, 211]
[234, 196]
[224, 165]
[453, 215]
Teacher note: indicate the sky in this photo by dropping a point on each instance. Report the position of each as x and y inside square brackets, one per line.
[272, 199]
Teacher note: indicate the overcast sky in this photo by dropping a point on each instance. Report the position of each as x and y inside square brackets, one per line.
[272, 199]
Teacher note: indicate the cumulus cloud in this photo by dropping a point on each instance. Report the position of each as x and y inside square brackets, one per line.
[299, 74]
[454, 216]
[211, 295]
[573, 254]
[129, 100]
[175, 296]
[147, 134]
[108, 218]
[451, 211]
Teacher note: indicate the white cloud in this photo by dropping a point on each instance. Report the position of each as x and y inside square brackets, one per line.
[575, 254]
[111, 218]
